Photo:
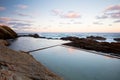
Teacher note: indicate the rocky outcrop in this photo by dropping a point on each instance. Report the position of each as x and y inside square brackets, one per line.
[70, 38]
[34, 35]
[96, 37]
[6, 32]
[21, 66]
[31, 35]
[90, 44]
[117, 39]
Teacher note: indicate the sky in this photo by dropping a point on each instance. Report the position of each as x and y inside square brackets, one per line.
[61, 15]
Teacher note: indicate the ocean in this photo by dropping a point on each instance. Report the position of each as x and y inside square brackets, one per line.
[109, 36]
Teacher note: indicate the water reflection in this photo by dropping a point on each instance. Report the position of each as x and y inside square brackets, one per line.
[74, 64]
[71, 50]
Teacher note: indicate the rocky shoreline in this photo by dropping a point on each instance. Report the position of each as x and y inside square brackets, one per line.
[90, 43]
[21, 66]
[16, 65]
[112, 48]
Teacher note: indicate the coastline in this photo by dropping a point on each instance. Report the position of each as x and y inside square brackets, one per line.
[21, 66]
[112, 48]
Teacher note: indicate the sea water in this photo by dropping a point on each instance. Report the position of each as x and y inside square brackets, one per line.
[109, 36]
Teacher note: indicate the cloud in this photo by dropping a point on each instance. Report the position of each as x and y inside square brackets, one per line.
[20, 26]
[98, 23]
[57, 11]
[102, 17]
[110, 25]
[117, 21]
[2, 22]
[111, 12]
[113, 7]
[70, 22]
[2, 8]
[115, 15]
[16, 24]
[5, 19]
[23, 14]
[77, 23]
[71, 14]
[22, 6]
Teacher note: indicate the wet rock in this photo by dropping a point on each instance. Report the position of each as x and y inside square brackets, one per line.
[117, 39]
[31, 35]
[71, 38]
[92, 44]
[96, 37]
[34, 35]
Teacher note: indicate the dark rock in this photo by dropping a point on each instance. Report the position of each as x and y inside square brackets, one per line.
[34, 35]
[117, 39]
[96, 37]
[7, 33]
[91, 44]
[70, 38]
[31, 35]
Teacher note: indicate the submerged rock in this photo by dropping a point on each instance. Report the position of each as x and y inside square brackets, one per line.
[6, 32]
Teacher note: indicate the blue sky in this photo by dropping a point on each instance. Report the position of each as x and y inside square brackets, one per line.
[61, 15]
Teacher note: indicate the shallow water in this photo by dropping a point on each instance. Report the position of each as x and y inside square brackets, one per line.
[71, 63]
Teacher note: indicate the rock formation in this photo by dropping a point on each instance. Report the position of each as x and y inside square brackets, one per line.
[96, 37]
[90, 44]
[117, 39]
[6, 32]
[31, 35]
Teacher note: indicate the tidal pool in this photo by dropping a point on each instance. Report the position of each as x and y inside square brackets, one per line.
[70, 63]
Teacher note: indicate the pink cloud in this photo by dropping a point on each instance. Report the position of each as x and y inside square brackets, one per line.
[21, 6]
[5, 19]
[111, 12]
[113, 7]
[8, 19]
[2, 8]
[115, 15]
[71, 14]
